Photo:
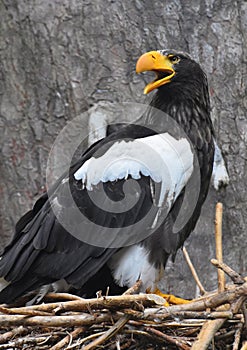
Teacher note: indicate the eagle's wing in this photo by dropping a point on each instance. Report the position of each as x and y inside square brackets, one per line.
[75, 228]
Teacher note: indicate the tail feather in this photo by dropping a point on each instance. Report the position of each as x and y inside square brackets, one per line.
[16, 289]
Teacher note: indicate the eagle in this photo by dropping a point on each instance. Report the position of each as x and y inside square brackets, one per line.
[129, 201]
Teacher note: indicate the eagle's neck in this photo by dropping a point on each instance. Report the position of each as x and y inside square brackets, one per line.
[179, 94]
[187, 104]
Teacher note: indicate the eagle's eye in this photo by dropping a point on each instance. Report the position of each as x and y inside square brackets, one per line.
[174, 59]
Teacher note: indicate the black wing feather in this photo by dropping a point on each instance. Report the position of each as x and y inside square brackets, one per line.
[42, 251]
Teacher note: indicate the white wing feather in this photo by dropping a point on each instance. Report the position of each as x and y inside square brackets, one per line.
[162, 157]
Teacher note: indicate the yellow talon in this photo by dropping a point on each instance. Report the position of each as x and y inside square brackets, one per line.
[171, 299]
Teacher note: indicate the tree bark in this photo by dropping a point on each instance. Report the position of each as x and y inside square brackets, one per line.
[58, 58]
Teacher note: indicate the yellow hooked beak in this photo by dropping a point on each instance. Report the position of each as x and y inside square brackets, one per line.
[155, 61]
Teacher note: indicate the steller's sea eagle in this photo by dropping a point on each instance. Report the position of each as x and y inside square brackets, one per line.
[129, 202]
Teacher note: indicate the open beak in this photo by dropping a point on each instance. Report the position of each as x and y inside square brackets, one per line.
[156, 62]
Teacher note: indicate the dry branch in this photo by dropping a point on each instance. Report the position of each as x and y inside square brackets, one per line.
[168, 338]
[68, 338]
[209, 328]
[134, 289]
[193, 271]
[218, 245]
[235, 277]
[244, 346]
[109, 333]
[16, 331]
[207, 333]
[54, 321]
[237, 336]
[111, 302]
[23, 311]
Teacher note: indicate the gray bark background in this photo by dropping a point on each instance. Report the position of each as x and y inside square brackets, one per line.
[58, 58]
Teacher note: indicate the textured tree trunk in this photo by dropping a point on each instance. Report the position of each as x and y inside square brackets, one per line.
[58, 58]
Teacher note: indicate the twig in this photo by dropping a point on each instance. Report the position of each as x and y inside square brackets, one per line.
[90, 337]
[27, 340]
[134, 289]
[218, 245]
[244, 346]
[237, 337]
[244, 309]
[9, 335]
[213, 301]
[224, 336]
[108, 334]
[67, 339]
[23, 311]
[168, 338]
[193, 271]
[62, 296]
[235, 277]
[207, 333]
[163, 314]
[209, 328]
[139, 332]
[54, 321]
[112, 302]
[237, 304]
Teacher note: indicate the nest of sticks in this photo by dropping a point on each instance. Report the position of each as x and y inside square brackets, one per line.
[215, 320]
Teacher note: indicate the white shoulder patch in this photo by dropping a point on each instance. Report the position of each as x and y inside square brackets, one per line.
[161, 157]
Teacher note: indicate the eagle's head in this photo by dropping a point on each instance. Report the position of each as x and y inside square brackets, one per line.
[169, 66]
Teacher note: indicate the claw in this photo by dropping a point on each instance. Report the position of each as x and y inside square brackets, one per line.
[171, 299]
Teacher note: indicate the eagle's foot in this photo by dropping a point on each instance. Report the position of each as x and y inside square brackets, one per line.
[171, 299]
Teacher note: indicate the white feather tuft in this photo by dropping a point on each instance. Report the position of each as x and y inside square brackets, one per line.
[220, 176]
[132, 263]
